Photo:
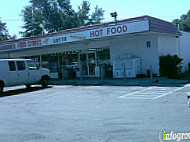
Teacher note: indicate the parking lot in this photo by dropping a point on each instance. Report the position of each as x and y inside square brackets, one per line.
[70, 113]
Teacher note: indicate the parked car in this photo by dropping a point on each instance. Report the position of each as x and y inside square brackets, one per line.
[15, 72]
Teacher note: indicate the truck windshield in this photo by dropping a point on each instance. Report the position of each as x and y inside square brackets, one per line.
[32, 65]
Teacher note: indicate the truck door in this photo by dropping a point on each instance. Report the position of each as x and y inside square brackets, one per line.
[13, 75]
[22, 73]
[33, 72]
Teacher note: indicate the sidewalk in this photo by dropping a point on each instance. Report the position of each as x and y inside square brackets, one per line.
[157, 81]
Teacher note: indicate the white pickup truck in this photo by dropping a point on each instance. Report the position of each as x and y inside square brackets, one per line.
[22, 72]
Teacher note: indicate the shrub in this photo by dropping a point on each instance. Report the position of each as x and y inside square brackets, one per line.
[170, 66]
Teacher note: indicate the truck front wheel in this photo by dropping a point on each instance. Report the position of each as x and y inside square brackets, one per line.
[28, 86]
[1, 87]
[44, 81]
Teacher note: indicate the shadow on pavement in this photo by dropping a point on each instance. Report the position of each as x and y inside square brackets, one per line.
[21, 91]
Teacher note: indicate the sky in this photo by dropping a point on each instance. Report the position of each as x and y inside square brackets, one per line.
[10, 10]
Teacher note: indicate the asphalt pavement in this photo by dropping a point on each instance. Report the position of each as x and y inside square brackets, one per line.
[69, 113]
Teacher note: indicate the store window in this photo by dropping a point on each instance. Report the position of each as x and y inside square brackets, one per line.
[50, 61]
[69, 64]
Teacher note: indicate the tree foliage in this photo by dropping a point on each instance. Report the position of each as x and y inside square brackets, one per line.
[170, 66]
[86, 18]
[47, 16]
[97, 15]
[184, 22]
[33, 21]
[4, 35]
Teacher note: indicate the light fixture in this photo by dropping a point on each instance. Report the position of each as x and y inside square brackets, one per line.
[114, 14]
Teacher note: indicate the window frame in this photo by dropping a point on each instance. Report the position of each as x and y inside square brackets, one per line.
[15, 69]
[18, 68]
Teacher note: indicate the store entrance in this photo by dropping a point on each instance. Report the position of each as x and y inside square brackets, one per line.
[92, 62]
[88, 64]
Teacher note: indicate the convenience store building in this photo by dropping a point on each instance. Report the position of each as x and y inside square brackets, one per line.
[126, 48]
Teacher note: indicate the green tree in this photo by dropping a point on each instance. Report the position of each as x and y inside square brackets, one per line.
[33, 21]
[4, 35]
[97, 15]
[86, 18]
[184, 22]
[83, 14]
[47, 16]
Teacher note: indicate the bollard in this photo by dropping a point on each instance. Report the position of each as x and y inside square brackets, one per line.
[102, 73]
[151, 78]
[80, 70]
[124, 73]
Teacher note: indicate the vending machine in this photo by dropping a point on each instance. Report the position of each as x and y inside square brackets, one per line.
[126, 67]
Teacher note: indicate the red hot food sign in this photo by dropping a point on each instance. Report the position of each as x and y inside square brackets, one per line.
[110, 31]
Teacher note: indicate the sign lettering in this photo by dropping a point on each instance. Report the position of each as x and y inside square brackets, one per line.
[22, 44]
[96, 33]
[59, 40]
[8, 47]
[109, 31]
[33, 43]
[78, 35]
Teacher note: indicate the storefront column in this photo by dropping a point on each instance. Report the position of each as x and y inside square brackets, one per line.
[96, 60]
[80, 66]
[59, 65]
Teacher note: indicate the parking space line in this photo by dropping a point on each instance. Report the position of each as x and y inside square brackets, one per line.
[143, 98]
[135, 92]
[168, 93]
[140, 95]
[151, 93]
[146, 95]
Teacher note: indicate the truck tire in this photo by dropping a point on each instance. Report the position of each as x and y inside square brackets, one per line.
[28, 86]
[1, 88]
[44, 81]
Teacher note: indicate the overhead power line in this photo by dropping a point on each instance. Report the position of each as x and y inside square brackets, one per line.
[9, 20]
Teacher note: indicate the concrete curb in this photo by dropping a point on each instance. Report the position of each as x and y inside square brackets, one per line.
[130, 82]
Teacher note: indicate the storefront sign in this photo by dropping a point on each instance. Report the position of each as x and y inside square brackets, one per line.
[22, 44]
[127, 28]
[34, 43]
[59, 40]
[77, 36]
[8, 47]
[109, 31]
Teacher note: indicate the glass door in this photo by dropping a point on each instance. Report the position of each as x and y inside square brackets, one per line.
[83, 61]
[91, 64]
[88, 64]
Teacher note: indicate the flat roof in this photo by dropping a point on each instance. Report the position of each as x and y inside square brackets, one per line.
[126, 26]
[156, 25]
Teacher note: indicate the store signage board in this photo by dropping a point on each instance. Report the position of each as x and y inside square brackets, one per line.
[127, 28]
